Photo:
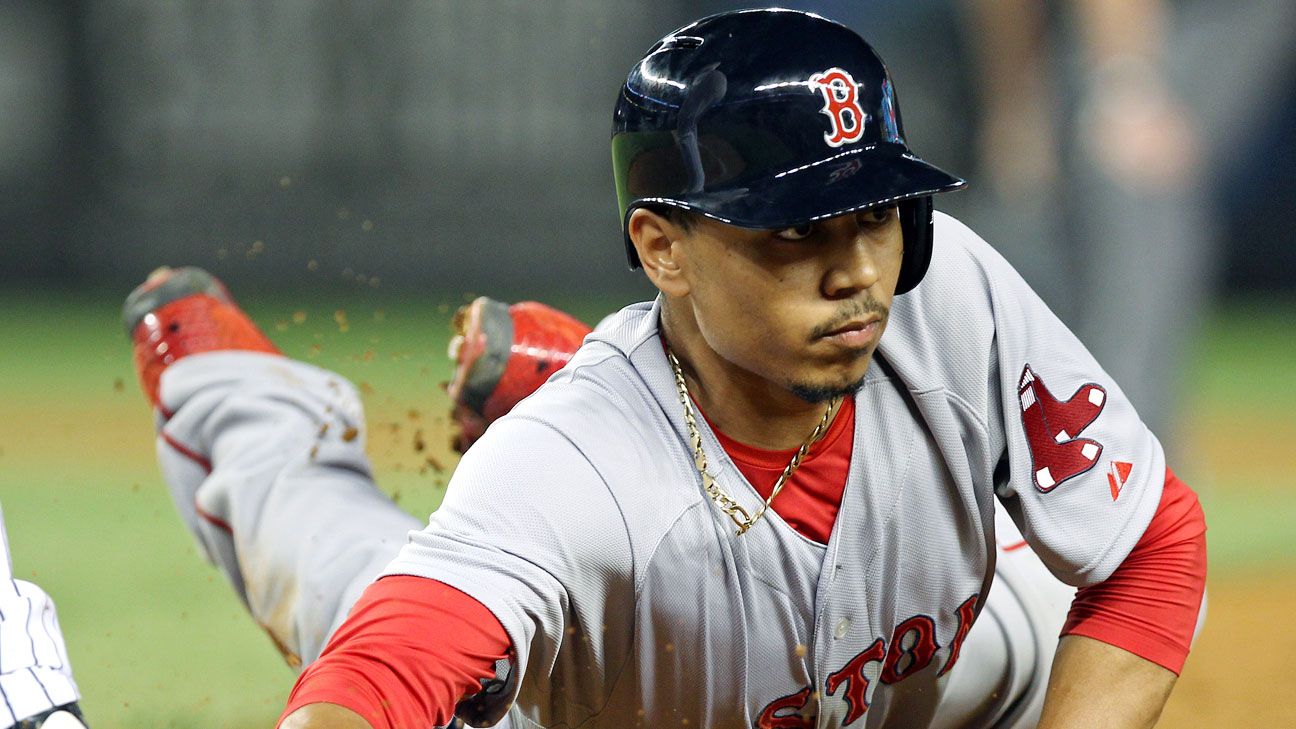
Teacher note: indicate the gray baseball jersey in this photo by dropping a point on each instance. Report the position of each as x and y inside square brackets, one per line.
[580, 522]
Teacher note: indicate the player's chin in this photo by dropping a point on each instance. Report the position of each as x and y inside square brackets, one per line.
[825, 386]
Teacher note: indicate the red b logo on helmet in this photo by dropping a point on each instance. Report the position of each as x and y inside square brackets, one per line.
[841, 104]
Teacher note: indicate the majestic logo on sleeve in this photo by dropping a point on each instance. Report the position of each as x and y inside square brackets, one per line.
[1053, 428]
[1117, 475]
[841, 105]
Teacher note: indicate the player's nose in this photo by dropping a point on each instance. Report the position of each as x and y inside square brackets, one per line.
[853, 263]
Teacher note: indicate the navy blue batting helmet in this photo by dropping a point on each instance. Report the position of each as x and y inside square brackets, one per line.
[770, 119]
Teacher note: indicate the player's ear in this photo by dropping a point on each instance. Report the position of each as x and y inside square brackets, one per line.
[657, 241]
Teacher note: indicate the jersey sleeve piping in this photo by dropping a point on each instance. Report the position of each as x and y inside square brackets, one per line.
[625, 524]
[966, 407]
[510, 615]
[638, 569]
[634, 566]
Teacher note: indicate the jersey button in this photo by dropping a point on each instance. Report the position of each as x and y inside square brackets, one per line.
[843, 627]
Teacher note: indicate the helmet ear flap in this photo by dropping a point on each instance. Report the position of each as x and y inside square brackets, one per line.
[916, 227]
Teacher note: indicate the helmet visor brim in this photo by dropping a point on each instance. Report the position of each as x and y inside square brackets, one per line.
[854, 180]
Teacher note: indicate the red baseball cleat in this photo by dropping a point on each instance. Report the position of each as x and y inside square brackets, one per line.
[177, 312]
[502, 354]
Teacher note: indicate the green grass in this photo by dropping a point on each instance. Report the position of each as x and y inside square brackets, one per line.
[1246, 360]
[156, 637]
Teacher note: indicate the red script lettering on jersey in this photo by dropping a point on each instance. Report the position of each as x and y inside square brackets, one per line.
[911, 648]
[787, 712]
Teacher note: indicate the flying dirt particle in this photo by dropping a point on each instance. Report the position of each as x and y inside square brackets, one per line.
[367, 226]
[801, 650]
[314, 451]
[313, 352]
[299, 317]
[340, 317]
[322, 431]
[119, 384]
[350, 434]
[368, 355]
[412, 414]
[285, 181]
[419, 443]
[312, 265]
[435, 464]
[366, 389]
[281, 325]
[373, 282]
[343, 214]
[221, 253]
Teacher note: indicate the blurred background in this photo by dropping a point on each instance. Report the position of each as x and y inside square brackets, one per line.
[356, 170]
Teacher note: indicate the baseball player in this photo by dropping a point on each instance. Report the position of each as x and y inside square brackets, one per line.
[36, 684]
[739, 504]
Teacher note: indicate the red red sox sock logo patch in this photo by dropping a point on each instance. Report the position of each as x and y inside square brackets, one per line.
[1053, 427]
[841, 105]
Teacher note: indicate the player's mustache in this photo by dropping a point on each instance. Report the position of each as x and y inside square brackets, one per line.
[855, 309]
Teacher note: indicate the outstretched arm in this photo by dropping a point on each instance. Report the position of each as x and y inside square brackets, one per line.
[410, 651]
[1130, 690]
[1127, 637]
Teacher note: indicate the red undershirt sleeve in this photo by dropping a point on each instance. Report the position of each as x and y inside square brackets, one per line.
[1150, 604]
[410, 650]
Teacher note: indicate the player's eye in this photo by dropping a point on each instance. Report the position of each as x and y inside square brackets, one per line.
[877, 216]
[796, 232]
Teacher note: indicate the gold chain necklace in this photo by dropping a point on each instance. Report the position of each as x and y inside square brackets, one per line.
[727, 504]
